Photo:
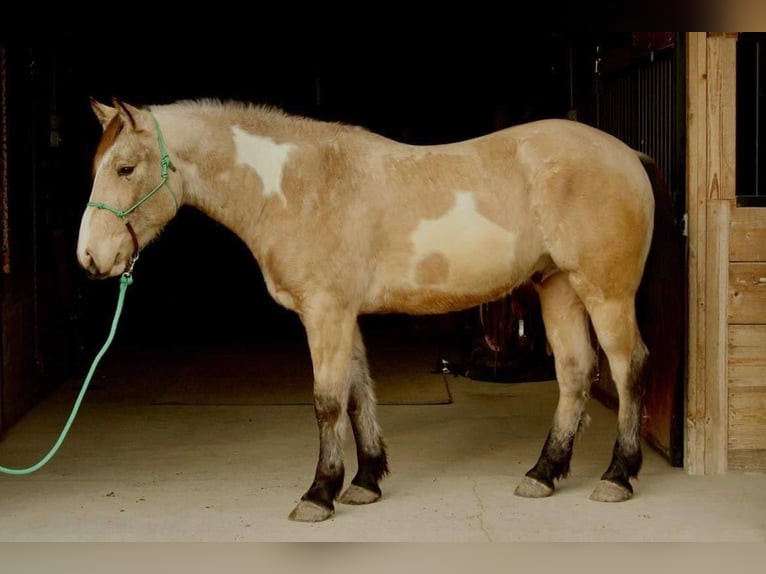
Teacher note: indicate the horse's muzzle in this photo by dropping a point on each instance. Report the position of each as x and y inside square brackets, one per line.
[95, 268]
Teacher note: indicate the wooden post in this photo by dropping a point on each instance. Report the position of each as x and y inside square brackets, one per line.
[716, 337]
[696, 178]
[711, 138]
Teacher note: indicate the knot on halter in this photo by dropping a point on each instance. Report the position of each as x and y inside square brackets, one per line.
[165, 165]
[121, 213]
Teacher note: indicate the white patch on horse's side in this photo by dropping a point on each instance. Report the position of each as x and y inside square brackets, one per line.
[265, 156]
[478, 251]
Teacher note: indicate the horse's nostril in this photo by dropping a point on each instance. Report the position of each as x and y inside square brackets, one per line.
[90, 265]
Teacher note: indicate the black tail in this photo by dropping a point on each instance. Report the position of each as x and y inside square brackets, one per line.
[660, 307]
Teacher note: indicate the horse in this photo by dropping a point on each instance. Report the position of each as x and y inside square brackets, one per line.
[345, 222]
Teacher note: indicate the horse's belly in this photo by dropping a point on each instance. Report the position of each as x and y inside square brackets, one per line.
[432, 300]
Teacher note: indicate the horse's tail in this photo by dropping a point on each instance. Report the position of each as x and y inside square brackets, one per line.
[661, 316]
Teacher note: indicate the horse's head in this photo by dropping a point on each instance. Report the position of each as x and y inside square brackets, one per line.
[133, 196]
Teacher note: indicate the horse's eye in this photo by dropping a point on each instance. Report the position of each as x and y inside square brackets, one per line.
[125, 170]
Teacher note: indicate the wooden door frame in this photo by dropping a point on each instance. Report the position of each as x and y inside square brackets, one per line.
[710, 183]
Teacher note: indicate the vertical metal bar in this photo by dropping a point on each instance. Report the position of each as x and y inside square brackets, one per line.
[757, 117]
[34, 126]
[6, 247]
[571, 78]
[6, 254]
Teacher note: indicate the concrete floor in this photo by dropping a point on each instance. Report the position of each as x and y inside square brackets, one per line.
[134, 471]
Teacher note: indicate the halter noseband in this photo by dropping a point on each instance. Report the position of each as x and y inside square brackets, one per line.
[165, 165]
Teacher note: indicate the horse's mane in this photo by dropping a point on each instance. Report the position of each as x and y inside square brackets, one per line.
[263, 110]
[231, 104]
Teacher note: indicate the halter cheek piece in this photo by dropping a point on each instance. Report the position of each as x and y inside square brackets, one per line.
[165, 165]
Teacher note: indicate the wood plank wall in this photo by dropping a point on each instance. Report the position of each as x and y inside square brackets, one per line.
[726, 392]
[747, 340]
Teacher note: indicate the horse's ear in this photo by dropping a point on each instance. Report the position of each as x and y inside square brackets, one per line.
[131, 116]
[103, 112]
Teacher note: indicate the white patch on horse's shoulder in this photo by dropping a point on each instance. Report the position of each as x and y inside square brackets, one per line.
[266, 157]
[477, 250]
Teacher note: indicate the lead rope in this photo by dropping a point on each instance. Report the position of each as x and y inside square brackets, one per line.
[125, 281]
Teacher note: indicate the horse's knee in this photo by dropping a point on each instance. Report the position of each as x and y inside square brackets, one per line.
[331, 422]
[574, 374]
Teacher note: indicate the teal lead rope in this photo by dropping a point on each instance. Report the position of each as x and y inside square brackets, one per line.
[125, 281]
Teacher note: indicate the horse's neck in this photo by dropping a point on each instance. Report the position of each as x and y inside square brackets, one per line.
[203, 144]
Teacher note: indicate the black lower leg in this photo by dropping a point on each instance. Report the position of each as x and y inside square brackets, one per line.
[325, 489]
[626, 462]
[554, 460]
[372, 466]
[626, 456]
[328, 480]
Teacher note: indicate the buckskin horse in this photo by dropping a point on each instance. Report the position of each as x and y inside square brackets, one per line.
[344, 222]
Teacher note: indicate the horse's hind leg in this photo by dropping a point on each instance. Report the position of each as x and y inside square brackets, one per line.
[615, 324]
[370, 449]
[330, 331]
[566, 326]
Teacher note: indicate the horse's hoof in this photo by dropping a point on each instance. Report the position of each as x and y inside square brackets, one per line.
[608, 491]
[357, 495]
[531, 488]
[307, 511]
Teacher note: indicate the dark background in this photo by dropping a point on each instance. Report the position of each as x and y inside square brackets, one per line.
[197, 285]
[198, 282]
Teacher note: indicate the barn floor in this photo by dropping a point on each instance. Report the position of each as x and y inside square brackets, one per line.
[135, 469]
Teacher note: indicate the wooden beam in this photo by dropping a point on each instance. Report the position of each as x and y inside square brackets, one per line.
[696, 183]
[716, 337]
[721, 120]
[710, 178]
[721, 191]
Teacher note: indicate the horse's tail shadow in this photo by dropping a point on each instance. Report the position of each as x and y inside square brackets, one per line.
[661, 313]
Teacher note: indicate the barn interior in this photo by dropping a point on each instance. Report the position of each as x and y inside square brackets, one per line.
[199, 285]
[193, 376]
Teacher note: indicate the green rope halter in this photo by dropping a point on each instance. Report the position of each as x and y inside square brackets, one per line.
[125, 281]
[165, 165]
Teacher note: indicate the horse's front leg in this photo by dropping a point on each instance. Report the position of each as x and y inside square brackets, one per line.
[330, 330]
